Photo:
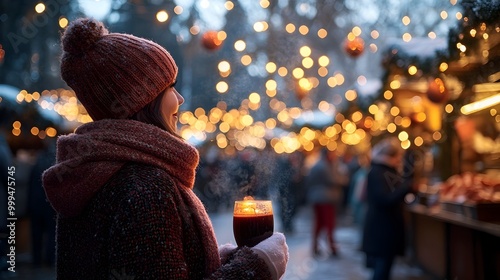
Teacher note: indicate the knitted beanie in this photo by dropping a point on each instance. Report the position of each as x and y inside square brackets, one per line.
[113, 75]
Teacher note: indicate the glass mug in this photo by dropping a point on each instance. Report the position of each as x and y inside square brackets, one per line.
[253, 221]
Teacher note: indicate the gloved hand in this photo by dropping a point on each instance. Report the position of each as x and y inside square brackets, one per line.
[274, 251]
[225, 251]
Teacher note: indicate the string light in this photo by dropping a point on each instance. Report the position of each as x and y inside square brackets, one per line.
[40, 8]
[162, 16]
[306, 78]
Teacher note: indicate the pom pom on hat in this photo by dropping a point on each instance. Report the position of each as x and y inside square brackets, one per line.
[82, 35]
[113, 75]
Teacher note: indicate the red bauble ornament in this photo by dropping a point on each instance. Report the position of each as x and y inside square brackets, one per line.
[354, 47]
[211, 41]
[437, 91]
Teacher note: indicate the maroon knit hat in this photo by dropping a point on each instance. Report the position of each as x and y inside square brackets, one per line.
[114, 75]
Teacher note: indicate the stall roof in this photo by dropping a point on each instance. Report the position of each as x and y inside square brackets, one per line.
[421, 46]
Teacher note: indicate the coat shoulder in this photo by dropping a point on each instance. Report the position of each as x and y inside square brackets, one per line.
[136, 182]
[134, 175]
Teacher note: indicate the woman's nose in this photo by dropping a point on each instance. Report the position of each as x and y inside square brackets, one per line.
[180, 99]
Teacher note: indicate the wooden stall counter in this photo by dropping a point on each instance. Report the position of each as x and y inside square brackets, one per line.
[453, 246]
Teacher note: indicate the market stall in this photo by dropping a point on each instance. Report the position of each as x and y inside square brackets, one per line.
[452, 246]
[454, 226]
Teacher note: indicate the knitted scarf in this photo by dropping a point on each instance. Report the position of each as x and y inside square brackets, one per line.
[88, 158]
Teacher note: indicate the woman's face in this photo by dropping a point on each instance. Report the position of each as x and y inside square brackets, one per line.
[397, 160]
[170, 103]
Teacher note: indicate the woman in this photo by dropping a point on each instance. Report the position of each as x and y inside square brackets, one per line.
[122, 184]
[383, 232]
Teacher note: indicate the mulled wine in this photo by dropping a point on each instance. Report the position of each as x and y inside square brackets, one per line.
[253, 221]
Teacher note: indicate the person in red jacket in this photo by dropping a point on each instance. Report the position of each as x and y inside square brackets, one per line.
[122, 185]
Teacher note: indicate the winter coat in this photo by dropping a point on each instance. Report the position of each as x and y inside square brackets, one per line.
[123, 193]
[323, 184]
[383, 232]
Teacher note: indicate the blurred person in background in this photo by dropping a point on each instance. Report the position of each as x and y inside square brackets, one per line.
[358, 194]
[349, 164]
[286, 193]
[386, 188]
[42, 216]
[324, 184]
